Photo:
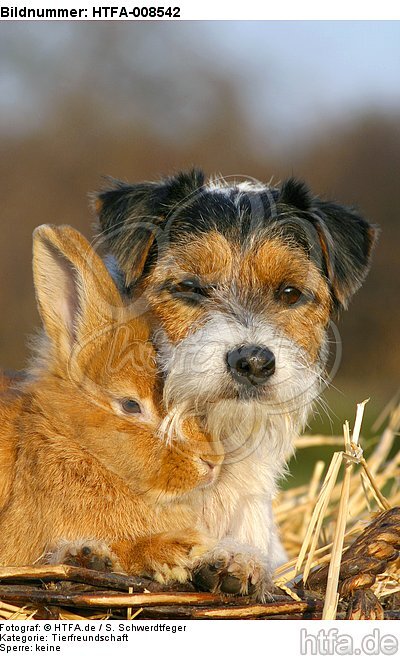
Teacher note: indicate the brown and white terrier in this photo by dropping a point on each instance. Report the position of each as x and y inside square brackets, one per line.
[244, 280]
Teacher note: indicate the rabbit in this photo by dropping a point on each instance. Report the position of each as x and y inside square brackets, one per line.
[8, 380]
[4, 382]
[84, 476]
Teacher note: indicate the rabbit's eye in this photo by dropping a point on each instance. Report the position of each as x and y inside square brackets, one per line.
[130, 406]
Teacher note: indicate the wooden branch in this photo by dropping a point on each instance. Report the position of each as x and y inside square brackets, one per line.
[79, 575]
[238, 611]
[171, 605]
[229, 613]
[248, 612]
[168, 605]
[181, 613]
[25, 594]
[156, 601]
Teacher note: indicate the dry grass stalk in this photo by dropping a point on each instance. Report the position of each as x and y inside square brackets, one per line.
[11, 612]
[67, 615]
[375, 473]
[387, 584]
[360, 504]
[312, 493]
[387, 411]
[381, 501]
[288, 591]
[314, 528]
[307, 441]
[319, 512]
[332, 596]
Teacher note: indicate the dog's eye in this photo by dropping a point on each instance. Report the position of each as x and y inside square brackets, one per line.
[130, 406]
[290, 295]
[189, 287]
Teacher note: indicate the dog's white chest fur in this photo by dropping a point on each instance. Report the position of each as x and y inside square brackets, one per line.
[239, 505]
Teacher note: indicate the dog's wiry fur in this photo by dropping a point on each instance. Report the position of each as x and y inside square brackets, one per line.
[242, 247]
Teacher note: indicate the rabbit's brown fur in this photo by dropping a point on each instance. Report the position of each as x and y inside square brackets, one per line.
[74, 465]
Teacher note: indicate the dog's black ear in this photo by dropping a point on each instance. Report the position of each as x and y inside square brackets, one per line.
[345, 237]
[347, 241]
[131, 217]
[179, 188]
[296, 193]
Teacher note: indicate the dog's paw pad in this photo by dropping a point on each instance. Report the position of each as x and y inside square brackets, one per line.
[206, 577]
[235, 572]
[230, 584]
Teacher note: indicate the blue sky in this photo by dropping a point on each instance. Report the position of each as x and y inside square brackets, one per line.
[302, 72]
[290, 77]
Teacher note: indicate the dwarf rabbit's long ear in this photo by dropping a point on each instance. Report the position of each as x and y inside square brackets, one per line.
[345, 237]
[75, 292]
[131, 218]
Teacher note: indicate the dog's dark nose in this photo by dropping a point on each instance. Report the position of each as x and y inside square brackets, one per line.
[251, 364]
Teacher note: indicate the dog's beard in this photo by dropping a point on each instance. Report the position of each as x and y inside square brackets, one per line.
[198, 381]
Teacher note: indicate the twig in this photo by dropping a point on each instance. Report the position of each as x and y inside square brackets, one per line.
[23, 594]
[78, 575]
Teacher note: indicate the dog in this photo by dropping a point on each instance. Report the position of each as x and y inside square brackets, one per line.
[243, 279]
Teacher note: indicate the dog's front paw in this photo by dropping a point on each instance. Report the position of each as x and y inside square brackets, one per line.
[88, 553]
[234, 568]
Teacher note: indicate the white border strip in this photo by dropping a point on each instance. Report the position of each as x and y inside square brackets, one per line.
[172, 10]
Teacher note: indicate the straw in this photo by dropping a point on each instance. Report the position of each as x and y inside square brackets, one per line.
[318, 521]
[331, 596]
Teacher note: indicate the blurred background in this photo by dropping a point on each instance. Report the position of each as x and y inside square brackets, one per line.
[319, 100]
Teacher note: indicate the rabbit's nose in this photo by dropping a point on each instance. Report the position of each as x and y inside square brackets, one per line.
[210, 464]
[210, 471]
